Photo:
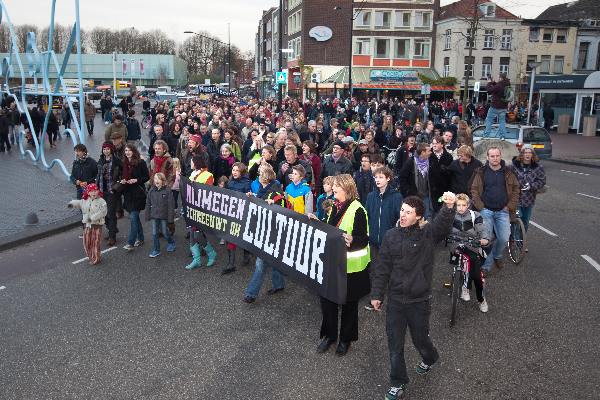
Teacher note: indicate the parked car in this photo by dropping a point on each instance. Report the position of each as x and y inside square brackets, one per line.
[538, 138]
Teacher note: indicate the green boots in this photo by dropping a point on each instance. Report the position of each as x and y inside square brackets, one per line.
[196, 257]
[211, 254]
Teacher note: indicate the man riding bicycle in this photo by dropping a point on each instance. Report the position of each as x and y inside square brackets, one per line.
[495, 193]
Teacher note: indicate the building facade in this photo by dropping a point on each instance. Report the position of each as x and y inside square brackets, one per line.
[492, 50]
[266, 57]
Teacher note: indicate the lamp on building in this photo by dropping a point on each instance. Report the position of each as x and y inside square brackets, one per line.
[533, 65]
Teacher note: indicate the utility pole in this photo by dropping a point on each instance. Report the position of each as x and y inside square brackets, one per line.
[229, 55]
[280, 55]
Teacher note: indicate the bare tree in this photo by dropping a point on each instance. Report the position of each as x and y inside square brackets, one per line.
[5, 41]
[21, 32]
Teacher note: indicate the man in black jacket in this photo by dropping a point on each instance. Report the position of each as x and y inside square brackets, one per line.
[405, 267]
[462, 170]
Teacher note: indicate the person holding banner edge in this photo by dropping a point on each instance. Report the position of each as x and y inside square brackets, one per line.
[348, 214]
[198, 239]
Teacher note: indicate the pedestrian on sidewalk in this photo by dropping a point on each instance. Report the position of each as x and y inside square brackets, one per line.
[135, 175]
[89, 112]
[84, 169]
[4, 128]
[93, 208]
[160, 210]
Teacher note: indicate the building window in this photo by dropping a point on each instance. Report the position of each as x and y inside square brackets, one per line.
[402, 19]
[559, 63]
[268, 44]
[470, 39]
[488, 39]
[293, 4]
[486, 66]
[446, 71]
[402, 48]
[530, 59]
[294, 23]
[561, 36]
[545, 64]
[448, 39]
[363, 19]
[362, 47]
[490, 10]
[422, 48]
[382, 48]
[423, 20]
[534, 34]
[548, 35]
[506, 40]
[582, 57]
[469, 66]
[598, 58]
[383, 19]
[504, 65]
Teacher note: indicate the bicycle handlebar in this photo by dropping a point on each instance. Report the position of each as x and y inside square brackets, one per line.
[463, 241]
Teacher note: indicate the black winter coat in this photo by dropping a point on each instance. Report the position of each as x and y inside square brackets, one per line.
[85, 170]
[461, 175]
[406, 259]
[439, 178]
[134, 196]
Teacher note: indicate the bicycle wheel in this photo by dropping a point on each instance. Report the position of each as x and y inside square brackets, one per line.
[517, 241]
[456, 287]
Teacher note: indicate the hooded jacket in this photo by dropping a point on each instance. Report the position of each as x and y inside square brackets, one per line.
[383, 211]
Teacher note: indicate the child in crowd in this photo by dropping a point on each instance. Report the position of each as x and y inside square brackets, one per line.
[175, 187]
[469, 224]
[160, 208]
[325, 200]
[239, 182]
[93, 208]
[200, 174]
[298, 192]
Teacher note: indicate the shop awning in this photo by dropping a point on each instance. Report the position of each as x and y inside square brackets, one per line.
[374, 78]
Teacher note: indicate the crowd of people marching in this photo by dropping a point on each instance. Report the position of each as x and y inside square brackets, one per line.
[394, 175]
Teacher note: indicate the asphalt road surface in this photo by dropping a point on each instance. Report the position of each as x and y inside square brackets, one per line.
[141, 328]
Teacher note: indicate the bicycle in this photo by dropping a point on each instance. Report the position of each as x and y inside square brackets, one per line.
[517, 240]
[458, 259]
[147, 121]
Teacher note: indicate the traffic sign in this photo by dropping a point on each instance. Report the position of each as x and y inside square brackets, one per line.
[281, 78]
[425, 89]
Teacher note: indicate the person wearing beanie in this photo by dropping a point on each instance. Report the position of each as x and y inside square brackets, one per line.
[194, 148]
[93, 209]
[336, 163]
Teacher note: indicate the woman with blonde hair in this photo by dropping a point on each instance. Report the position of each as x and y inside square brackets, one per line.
[348, 214]
[464, 134]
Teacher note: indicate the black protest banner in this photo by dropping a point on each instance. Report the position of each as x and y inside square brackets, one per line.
[215, 89]
[310, 252]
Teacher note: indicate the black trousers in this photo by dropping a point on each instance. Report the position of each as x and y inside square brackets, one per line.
[90, 126]
[415, 316]
[475, 276]
[4, 142]
[111, 216]
[349, 323]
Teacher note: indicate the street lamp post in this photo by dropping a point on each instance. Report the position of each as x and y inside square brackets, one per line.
[228, 44]
[533, 65]
[353, 15]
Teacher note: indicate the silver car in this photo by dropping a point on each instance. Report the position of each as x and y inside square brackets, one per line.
[536, 137]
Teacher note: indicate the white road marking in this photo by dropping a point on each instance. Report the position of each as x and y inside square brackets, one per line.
[2, 287]
[102, 252]
[541, 228]
[590, 196]
[574, 172]
[592, 262]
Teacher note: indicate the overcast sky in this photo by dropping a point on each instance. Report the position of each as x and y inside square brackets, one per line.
[174, 17]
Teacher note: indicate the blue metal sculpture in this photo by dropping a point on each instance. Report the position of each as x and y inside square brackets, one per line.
[40, 63]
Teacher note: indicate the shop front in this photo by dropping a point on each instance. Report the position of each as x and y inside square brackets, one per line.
[575, 95]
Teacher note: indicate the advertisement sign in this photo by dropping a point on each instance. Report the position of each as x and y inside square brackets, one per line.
[320, 33]
[378, 75]
[141, 66]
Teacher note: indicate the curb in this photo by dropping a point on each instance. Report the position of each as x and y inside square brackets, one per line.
[36, 233]
[573, 162]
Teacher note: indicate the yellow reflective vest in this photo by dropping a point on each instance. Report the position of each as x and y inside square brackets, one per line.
[356, 260]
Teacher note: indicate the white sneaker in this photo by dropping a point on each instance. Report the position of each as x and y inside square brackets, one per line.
[466, 296]
[483, 306]
[128, 247]
[138, 243]
[221, 242]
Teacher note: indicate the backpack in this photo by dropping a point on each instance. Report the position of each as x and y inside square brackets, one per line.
[280, 200]
[509, 94]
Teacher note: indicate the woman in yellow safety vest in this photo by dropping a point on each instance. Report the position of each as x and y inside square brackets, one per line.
[200, 174]
[350, 216]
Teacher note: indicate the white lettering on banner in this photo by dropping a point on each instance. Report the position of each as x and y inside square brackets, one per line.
[206, 199]
[303, 259]
[288, 256]
[225, 201]
[318, 248]
[260, 232]
[280, 221]
[215, 203]
[247, 235]
[268, 247]
[232, 204]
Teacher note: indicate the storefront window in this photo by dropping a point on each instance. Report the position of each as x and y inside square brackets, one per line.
[561, 103]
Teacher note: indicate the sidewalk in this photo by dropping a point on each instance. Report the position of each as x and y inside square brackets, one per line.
[576, 149]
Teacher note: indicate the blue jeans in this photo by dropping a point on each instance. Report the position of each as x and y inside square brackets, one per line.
[489, 120]
[257, 279]
[498, 223]
[525, 214]
[136, 231]
[428, 208]
[160, 225]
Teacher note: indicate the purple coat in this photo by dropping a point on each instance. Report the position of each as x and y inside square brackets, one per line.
[534, 175]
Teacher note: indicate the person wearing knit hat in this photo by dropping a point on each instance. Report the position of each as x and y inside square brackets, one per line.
[93, 209]
[196, 138]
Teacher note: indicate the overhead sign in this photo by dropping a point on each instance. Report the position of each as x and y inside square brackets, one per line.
[320, 33]
[394, 75]
[426, 89]
[476, 86]
[218, 90]
[311, 252]
[560, 81]
[281, 78]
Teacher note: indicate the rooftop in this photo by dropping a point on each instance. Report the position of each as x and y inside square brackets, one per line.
[468, 8]
[574, 10]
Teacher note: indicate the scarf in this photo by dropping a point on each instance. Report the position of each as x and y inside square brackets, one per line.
[106, 177]
[336, 159]
[422, 166]
[127, 167]
[158, 162]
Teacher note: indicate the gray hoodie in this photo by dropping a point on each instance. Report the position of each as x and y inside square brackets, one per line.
[160, 204]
